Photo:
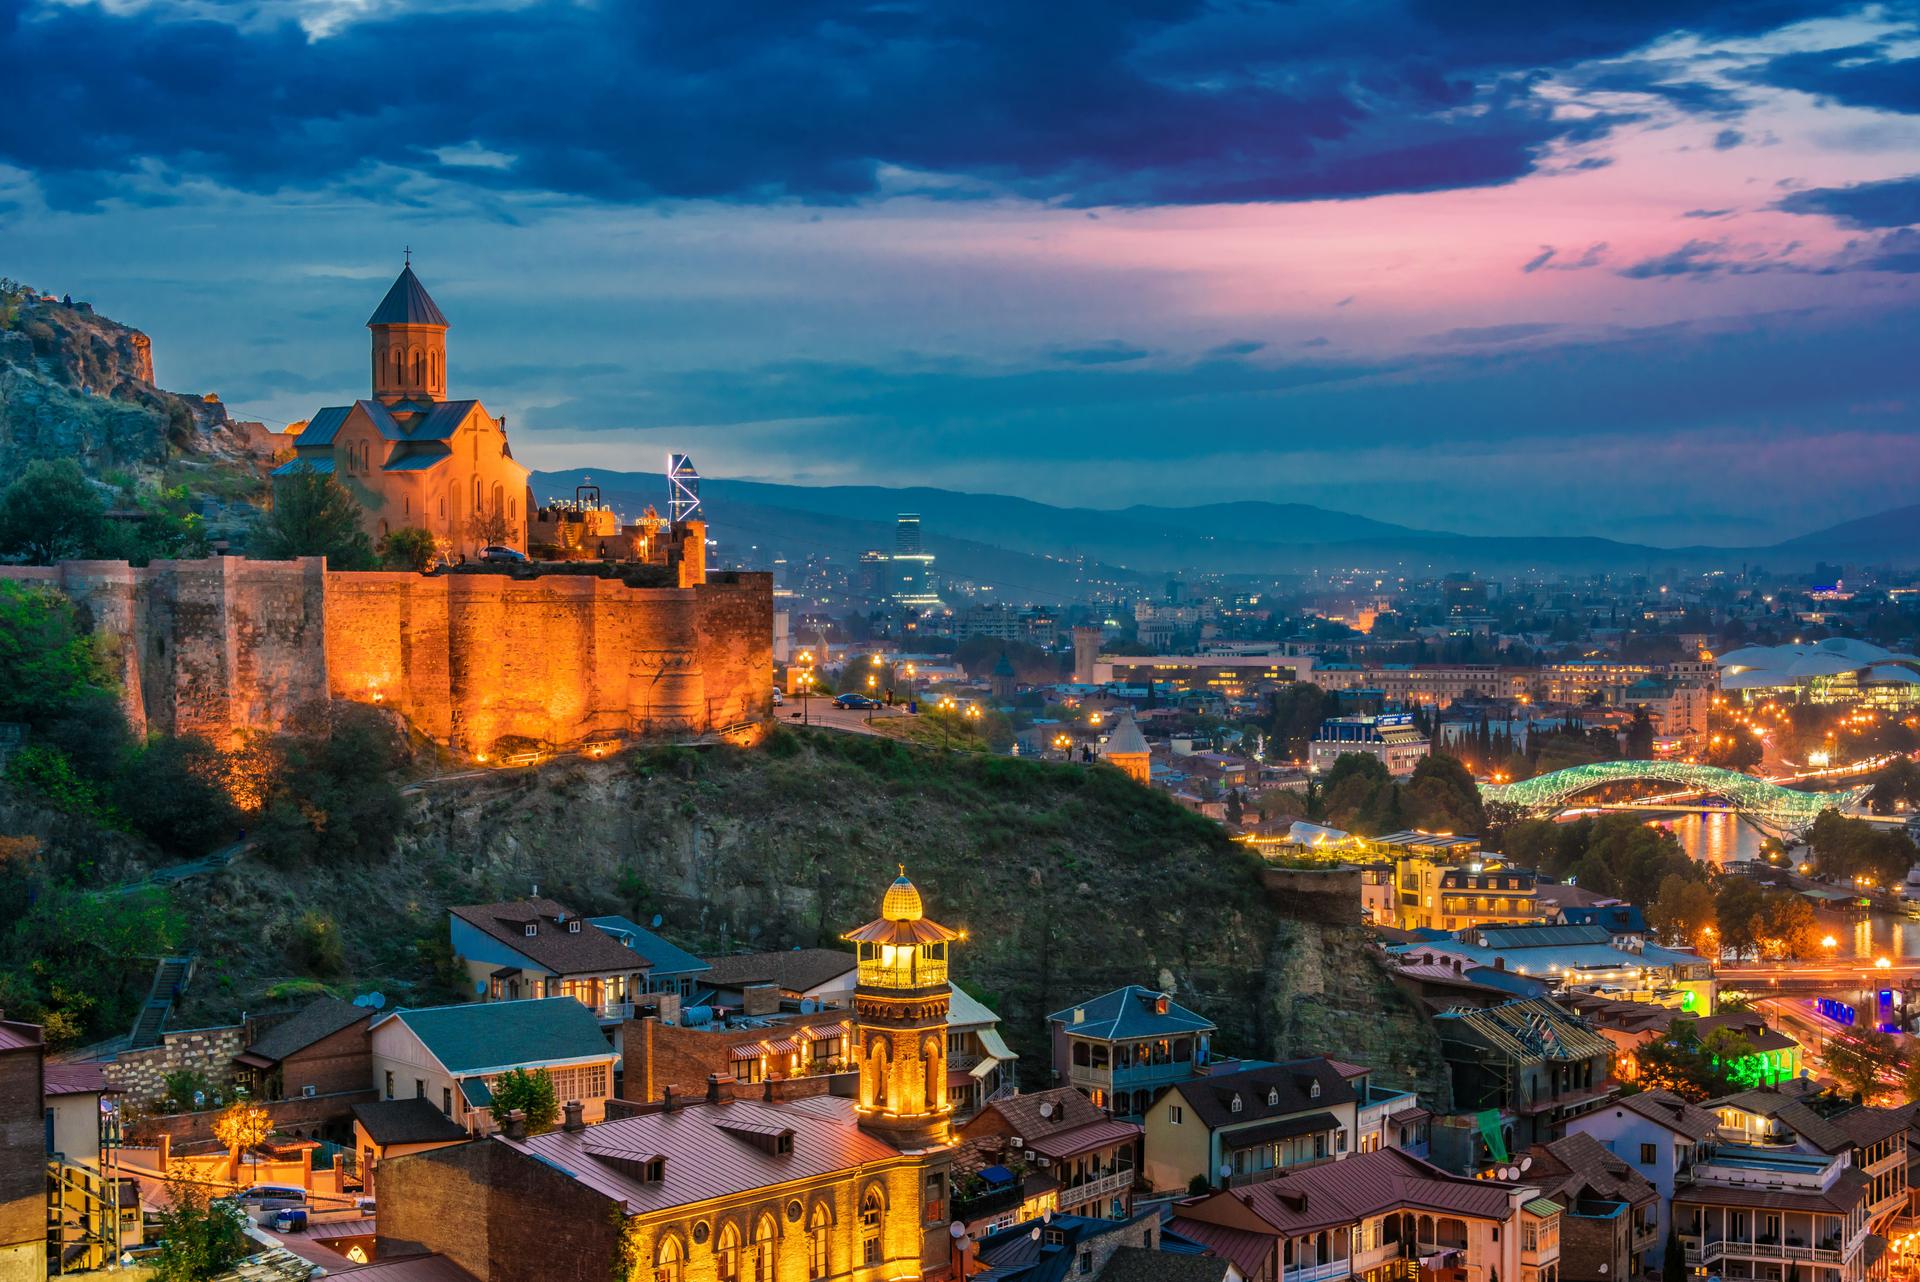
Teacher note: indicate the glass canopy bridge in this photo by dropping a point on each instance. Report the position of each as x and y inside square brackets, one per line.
[1778, 810]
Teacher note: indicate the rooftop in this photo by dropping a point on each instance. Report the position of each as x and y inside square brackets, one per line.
[482, 1037]
[1303, 1199]
[1280, 1090]
[563, 942]
[313, 1022]
[1131, 1012]
[407, 303]
[407, 1121]
[793, 971]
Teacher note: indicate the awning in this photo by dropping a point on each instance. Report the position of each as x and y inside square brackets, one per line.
[995, 1045]
[251, 1060]
[979, 1071]
[1544, 1208]
[957, 1077]
[753, 1050]
[505, 972]
[783, 1046]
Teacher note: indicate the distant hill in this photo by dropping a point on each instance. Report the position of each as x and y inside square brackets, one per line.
[1038, 549]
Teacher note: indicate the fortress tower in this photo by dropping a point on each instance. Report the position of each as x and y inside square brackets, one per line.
[900, 1003]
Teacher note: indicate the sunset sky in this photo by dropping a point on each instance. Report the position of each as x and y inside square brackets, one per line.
[1643, 268]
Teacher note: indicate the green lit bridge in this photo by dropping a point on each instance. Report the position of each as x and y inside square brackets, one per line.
[1783, 811]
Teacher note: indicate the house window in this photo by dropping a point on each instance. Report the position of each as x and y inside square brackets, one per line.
[817, 1243]
[419, 1088]
[389, 1083]
[871, 1208]
[1647, 1155]
[1086, 1263]
[1235, 1106]
[1174, 1115]
[1273, 1096]
[669, 1261]
[532, 930]
[573, 927]
[446, 1100]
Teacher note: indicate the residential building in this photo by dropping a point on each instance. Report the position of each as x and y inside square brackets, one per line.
[824, 976]
[451, 1056]
[1443, 980]
[1167, 1264]
[1528, 1058]
[1065, 1248]
[1383, 1117]
[23, 1153]
[729, 1186]
[319, 1050]
[1241, 1128]
[1775, 1058]
[1122, 1048]
[980, 1065]
[1391, 738]
[527, 949]
[391, 1128]
[662, 1053]
[1662, 1135]
[1378, 1216]
[1610, 1213]
[1093, 1159]
[1586, 957]
[670, 968]
[412, 458]
[1447, 884]
[1873, 1140]
[1745, 1212]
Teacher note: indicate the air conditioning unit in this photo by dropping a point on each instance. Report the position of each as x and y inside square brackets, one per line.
[1042, 1159]
[1016, 1141]
[309, 1090]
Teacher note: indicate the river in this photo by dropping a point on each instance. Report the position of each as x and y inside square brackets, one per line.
[1721, 837]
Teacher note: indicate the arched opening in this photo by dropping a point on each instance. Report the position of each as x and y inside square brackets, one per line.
[934, 1067]
[872, 1208]
[879, 1070]
[763, 1249]
[818, 1225]
[670, 1260]
[499, 500]
[726, 1254]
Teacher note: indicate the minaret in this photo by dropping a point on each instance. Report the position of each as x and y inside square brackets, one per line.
[409, 343]
[900, 1022]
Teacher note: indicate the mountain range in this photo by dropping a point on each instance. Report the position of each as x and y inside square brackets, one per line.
[1040, 551]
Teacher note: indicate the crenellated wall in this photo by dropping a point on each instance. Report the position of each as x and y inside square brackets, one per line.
[225, 645]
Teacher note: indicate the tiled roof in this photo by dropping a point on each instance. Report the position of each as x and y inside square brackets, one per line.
[1682, 1117]
[318, 1019]
[588, 950]
[1075, 1140]
[407, 303]
[1065, 1109]
[1863, 1125]
[1140, 1264]
[1245, 1250]
[705, 1160]
[1290, 1085]
[1304, 1199]
[665, 958]
[793, 971]
[1579, 1166]
[1793, 1114]
[407, 1121]
[1129, 1013]
[75, 1079]
[490, 1035]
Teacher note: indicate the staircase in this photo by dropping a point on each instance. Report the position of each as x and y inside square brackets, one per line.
[169, 976]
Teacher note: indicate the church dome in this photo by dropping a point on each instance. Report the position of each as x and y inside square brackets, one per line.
[407, 303]
[902, 902]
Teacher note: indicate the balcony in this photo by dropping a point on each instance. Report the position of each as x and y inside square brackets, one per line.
[917, 973]
[1098, 1189]
[1319, 1272]
[1135, 1077]
[1706, 1254]
[613, 1012]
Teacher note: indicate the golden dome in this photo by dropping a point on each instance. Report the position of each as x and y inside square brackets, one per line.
[903, 901]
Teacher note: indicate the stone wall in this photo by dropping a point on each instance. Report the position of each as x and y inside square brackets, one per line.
[141, 1075]
[1330, 896]
[305, 1116]
[225, 645]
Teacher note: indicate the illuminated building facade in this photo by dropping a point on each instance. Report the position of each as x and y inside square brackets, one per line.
[900, 1021]
[1391, 738]
[912, 565]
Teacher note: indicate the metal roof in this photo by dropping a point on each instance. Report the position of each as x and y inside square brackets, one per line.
[322, 466]
[1128, 1013]
[321, 427]
[480, 1036]
[665, 958]
[407, 303]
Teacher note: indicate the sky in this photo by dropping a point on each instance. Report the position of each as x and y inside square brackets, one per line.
[1647, 269]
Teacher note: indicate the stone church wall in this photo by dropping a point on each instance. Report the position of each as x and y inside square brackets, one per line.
[225, 645]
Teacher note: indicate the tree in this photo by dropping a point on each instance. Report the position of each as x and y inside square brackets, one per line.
[1860, 1058]
[330, 790]
[1791, 931]
[48, 661]
[1639, 738]
[530, 1093]
[1673, 1264]
[1679, 1063]
[172, 791]
[1684, 911]
[489, 528]
[314, 515]
[198, 1238]
[409, 548]
[1738, 904]
[50, 512]
[242, 1126]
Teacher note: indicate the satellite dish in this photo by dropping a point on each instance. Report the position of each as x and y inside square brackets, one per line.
[1046, 1108]
[656, 921]
[1603, 1268]
[1046, 1217]
[956, 1230]
[1226, 1170]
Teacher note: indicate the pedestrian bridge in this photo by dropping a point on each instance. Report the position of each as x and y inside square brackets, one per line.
[1782, 811]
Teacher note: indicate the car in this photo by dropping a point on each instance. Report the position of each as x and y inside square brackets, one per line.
[853, 701]
[778, 698]
[502, 554]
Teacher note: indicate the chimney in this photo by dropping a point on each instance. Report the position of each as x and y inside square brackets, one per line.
[516, 1125]
[666, 1099]
[573, 1110]
[713, 1088]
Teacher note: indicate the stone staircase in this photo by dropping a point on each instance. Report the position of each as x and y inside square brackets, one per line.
[169, 978]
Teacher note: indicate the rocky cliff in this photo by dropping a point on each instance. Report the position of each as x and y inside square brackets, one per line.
[1070, 882]
[74, 384]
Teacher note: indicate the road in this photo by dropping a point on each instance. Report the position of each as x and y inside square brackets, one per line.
[1850, 971]
[823, 714]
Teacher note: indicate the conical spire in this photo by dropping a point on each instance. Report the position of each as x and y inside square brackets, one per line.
[1126, 738]
[407, 303]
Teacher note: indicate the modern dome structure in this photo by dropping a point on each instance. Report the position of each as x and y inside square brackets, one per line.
[1834, 669]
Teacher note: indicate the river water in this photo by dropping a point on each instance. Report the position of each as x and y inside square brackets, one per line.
[1719, 838]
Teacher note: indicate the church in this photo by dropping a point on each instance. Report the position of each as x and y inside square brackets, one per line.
[410, 456]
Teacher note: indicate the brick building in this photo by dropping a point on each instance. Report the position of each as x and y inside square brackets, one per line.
[320, 1050]
[23, 1154]
[1093, 1158]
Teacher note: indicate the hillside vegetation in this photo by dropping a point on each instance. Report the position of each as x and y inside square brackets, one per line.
[1069, 882]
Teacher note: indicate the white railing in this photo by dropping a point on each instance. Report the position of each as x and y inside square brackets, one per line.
[1097, 1190]
[1721, 1249]
[614, 1010]
[1318, 1272]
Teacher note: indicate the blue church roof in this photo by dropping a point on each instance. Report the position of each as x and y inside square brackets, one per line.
[407, 303]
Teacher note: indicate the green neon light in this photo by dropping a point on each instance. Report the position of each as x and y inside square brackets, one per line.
[1786, 810]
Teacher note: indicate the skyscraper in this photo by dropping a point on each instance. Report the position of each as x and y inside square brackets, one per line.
[912, 567]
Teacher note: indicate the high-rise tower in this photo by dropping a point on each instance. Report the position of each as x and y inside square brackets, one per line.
[900, 1002]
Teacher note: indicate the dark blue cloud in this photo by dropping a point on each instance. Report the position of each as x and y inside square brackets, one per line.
[1892, 202]
[1111, 352]
[1244, 347]
[1474, 335]
[1549, 259]
[1728, 139]
[1859, 76]
[1708, 213]
[1086, 102]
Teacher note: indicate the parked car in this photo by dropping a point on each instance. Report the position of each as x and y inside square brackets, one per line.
[504, 555]
[851, 700]
[272, 1197]
[778, 698]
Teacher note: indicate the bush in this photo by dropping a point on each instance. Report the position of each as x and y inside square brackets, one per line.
[47, 771]
[316, 947]
[333, 796]
[171, 791]
[409, 548]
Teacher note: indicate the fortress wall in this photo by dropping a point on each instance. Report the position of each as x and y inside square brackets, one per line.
[225, 645]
